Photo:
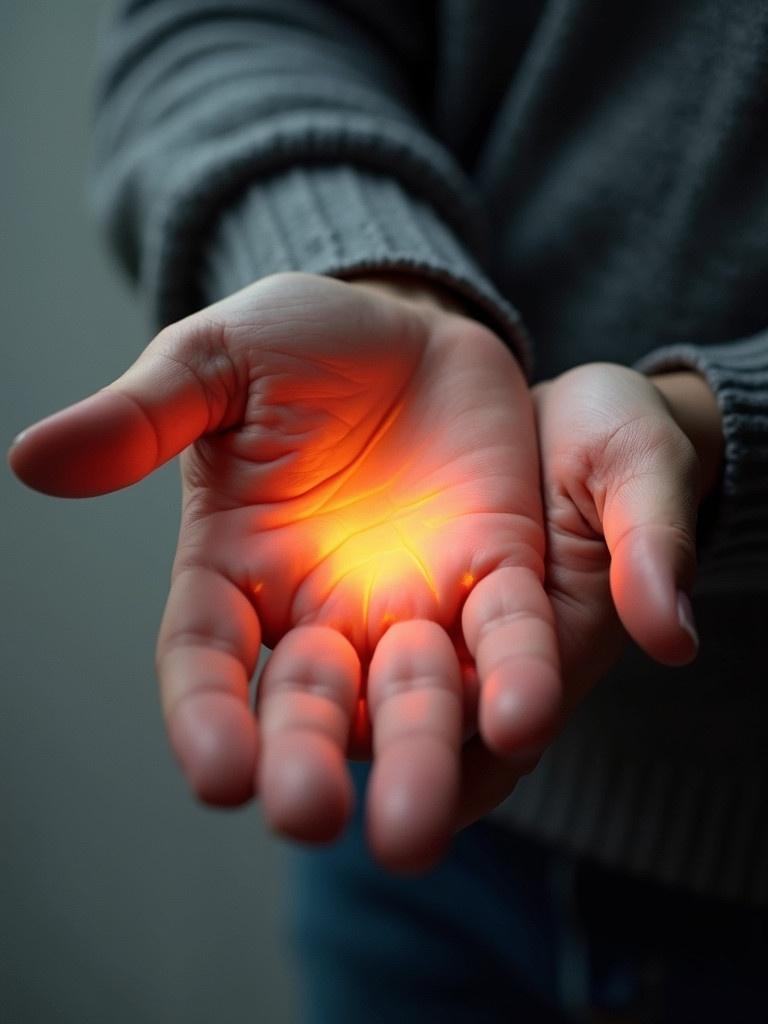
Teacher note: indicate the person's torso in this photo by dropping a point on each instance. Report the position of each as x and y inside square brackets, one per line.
[622, 151]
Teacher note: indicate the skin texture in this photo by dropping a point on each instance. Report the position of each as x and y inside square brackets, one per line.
[362, 491]
[625, 463]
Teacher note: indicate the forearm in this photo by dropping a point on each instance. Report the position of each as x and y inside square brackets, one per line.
[303, 126]
[418, 289]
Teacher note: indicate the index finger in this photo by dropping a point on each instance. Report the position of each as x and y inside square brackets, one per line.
[416, 707]
[206, 653]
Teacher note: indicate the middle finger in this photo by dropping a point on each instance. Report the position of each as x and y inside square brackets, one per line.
[306, 698]
[416, 708]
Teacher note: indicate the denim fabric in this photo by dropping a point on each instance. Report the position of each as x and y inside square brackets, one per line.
[508, 930]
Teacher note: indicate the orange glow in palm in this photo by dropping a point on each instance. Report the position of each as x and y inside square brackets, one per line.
[360, 491]
[373, 549]
[377, 562]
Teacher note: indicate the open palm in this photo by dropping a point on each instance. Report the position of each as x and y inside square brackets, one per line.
[361, 492]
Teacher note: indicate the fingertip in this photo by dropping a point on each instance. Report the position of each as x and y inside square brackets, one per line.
[17, 455]
[306, 790]
[687, 621]
[676, 650]
[669, 644]
[656, 610]
[93, 447]
[18, 440]
[520, 706]
[411, 804]
[215, 739]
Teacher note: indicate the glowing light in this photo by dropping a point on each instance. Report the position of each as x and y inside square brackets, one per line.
[373, 535]
[419, 562]
[367, 597]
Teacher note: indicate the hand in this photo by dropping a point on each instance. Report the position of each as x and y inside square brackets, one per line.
[360, 489]
[625, 463]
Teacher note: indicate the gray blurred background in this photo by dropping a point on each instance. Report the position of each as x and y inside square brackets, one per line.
[122, 900]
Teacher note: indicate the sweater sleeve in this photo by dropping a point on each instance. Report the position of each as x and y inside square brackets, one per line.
[734, 522]
[238, 138]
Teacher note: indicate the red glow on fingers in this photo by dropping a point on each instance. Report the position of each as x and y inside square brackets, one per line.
[415, 700]
[307, 696]
[509, 628]
[93, 447]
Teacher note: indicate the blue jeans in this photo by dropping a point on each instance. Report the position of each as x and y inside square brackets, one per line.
[507, 930]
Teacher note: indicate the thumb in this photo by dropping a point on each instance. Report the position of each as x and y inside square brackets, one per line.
[165, 401]
[649, 524]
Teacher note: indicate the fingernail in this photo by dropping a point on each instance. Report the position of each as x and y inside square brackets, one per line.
[19, 437]
[685, 616]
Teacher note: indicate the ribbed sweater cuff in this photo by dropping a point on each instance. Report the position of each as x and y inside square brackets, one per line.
[734, 534]
[344, 222]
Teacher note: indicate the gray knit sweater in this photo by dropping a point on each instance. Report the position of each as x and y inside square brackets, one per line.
[604, 167]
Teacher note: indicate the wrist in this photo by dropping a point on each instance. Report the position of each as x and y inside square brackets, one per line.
[415, 289]
[694, 408]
